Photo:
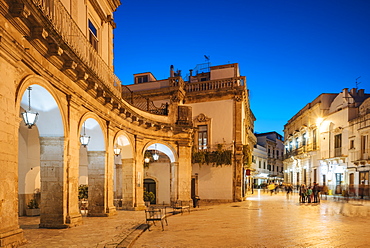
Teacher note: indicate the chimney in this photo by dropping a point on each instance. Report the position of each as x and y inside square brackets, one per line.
[172, 72]
[345, 92]
[361, 92]
[353, 92]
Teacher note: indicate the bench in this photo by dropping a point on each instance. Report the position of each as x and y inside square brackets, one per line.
[156, 214]
[181, 206]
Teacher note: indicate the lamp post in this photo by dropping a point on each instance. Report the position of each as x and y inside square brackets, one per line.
[84, 139]
[29, 117]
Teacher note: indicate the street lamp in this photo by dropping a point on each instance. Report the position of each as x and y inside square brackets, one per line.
[84, 139]
[29, 117]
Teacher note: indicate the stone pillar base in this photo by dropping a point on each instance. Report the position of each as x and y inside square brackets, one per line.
[53, 226]
[12, 238]
[97, 214]
[74, 220]
[139, 208]
[111, 211]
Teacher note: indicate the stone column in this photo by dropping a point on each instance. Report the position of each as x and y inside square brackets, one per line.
[128, 183]
[109, 171]
[238, 175]
[238, 156]
[139, 174]
[10, 233]
[97, 187]
[119, 182]
[183, 174]
[74, 217]
[52, 206]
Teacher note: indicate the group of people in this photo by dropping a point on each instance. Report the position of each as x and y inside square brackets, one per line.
[311, 194]
[307, 194]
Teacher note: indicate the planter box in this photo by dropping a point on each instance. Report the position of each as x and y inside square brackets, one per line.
[32, 211]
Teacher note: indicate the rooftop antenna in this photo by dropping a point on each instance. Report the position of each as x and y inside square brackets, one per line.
[207, 59]
[357, 83]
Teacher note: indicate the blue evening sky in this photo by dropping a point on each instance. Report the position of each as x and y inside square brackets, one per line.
[291, 51]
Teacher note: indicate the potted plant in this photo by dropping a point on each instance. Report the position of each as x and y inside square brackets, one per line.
[33, 208]
[148, 198]
[83, 194]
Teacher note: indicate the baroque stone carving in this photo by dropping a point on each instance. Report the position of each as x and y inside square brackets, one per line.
[201, 118]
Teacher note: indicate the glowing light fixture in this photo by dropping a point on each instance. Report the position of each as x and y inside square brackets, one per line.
[319, 120]
[155, 155]
[146, 160]
[84, 139]
[117, 151]
[29, 117]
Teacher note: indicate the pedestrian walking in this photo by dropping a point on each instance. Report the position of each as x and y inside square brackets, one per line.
[361, 190]
[288, 189]
[316, 192]
[325, 191]
[271, 188]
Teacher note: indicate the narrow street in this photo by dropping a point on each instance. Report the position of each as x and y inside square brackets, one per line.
[266, 221]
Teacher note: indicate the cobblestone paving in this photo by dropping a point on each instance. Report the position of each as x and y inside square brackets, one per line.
[95, 231]
[266, 221]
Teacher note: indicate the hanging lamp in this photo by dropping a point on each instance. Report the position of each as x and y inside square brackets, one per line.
[29, 117]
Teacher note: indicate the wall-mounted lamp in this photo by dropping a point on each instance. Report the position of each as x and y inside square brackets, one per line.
[29, 117]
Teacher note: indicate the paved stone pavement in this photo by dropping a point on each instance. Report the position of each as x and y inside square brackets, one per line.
[261, 221]
[266, 221]
[95, 232]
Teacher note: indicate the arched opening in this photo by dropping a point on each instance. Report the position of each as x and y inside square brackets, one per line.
[150, 191]
[40, 158]
[159, 163]
[123, 172]
[91, 179]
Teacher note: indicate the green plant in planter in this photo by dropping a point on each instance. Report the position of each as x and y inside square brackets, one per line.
[83, 191]
[217, 158]
[33, 204]
[149, 196]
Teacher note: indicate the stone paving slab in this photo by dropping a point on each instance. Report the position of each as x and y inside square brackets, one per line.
[267, 221]
[261, 221]
[95, 232]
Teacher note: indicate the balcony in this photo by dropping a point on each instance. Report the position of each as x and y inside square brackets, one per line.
[301, 150]
[227, 83]
[58, 20]
[360, 157]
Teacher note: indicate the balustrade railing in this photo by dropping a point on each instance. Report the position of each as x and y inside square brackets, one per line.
[360, 155]
[62, 22]
[215, 84]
